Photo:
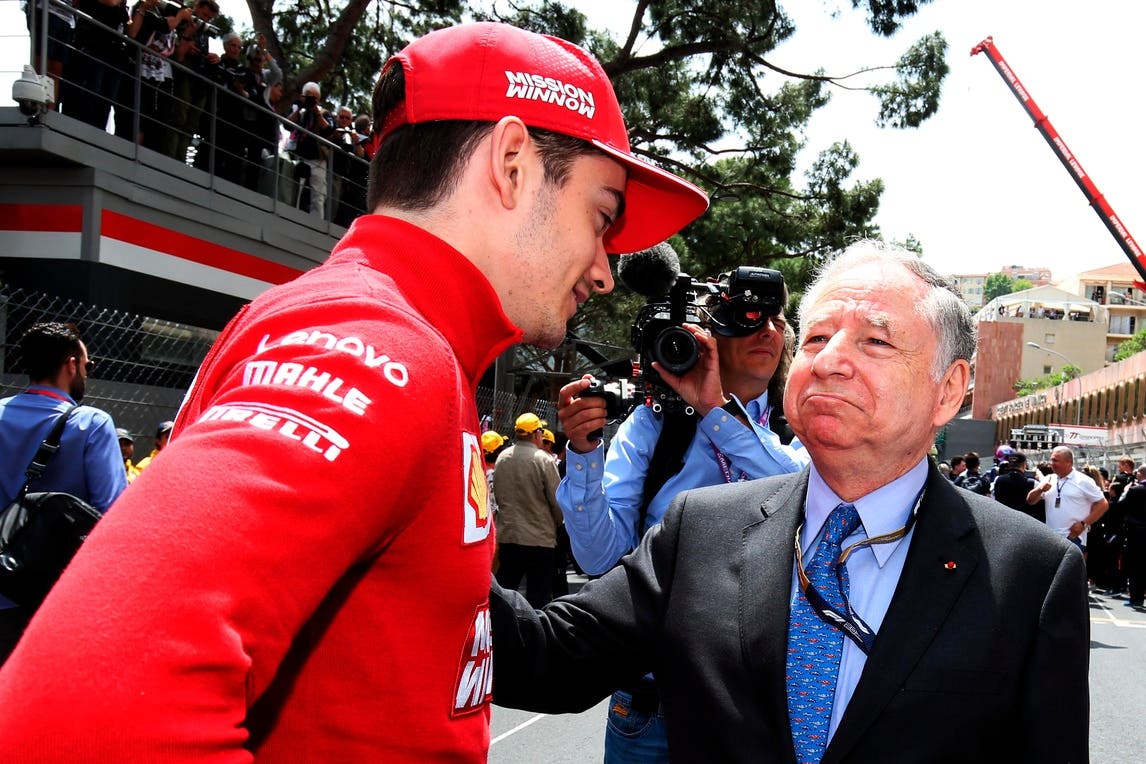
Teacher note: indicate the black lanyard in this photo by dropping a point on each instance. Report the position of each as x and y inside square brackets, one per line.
[849, 621]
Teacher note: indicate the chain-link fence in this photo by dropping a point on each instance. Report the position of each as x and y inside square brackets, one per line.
[143, 366]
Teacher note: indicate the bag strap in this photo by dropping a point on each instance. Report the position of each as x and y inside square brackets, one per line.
[46, 451]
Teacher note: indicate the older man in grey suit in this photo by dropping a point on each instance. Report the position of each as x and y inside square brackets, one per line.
[863, 610]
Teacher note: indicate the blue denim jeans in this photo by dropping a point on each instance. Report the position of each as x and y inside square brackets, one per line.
[632, 736]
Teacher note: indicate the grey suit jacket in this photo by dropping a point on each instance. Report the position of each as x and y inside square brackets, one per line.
[983, 661]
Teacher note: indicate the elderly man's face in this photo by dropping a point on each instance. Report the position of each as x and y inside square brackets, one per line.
[861, 380]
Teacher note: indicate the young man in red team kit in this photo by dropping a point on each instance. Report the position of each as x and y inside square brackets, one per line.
[267, 590]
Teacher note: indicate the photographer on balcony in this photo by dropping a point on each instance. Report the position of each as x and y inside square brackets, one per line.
[312, 119]
[190, 92]
[153, 25]
[737, 432]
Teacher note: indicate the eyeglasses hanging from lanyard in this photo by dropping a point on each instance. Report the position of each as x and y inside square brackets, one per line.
[849, 621]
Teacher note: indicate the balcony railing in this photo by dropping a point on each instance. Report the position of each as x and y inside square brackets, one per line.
[193, 120]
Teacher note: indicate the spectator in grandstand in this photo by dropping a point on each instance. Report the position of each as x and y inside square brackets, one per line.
[95, 69]
[266, 133]
[350, 169]
[312, 123]
[362, 125]
[234, 81]
[190, 89]
[153, 26]
[61, 21]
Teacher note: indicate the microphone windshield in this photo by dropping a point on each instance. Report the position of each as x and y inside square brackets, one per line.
[650, 272]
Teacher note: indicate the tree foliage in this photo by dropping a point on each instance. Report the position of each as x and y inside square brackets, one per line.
[1132, 346]
[997, 285]
[1034, 384]
[705, 93]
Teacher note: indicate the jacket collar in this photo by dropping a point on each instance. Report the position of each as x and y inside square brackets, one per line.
[446, 288]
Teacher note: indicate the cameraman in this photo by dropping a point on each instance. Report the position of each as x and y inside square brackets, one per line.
[312, 119]
[350, 169]
[734, 387]
[190, 89]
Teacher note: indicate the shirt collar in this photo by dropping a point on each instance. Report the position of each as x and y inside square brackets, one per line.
[755, 408]
[884, 510]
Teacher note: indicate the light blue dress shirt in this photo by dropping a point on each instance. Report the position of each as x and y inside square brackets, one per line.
[873, 571]
[600, 495]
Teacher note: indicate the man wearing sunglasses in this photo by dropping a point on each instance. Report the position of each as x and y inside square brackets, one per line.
[88, 464]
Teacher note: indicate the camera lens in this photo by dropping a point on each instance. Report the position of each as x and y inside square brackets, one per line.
[676, 350]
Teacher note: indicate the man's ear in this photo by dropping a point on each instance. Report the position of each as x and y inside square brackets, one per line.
[510, 147]
[952, 390]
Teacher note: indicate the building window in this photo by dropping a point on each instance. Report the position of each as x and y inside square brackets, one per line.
[1122, 324]
[1048, 339]
[1046, 370]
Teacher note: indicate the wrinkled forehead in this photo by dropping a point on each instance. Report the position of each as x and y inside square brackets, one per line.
[877, 292]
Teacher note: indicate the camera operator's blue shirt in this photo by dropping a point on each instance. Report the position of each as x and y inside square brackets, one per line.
[600, 495]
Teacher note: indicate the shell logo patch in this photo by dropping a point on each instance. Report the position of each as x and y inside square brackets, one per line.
[475, 489]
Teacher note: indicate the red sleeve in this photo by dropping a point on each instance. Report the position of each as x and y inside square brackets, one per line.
[289, 466]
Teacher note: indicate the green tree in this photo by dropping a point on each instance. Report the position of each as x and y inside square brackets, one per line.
[1020, 285]
[997, 284]
[1034, 384]
[1132, 346]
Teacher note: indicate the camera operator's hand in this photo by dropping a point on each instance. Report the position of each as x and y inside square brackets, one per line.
[700, 386]
[580, 416]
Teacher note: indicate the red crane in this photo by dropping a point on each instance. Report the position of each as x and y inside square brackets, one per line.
[1068, 159]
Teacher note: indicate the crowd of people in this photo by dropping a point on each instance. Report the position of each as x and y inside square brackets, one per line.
[1104, 516]
[219, 112]
[782, 571]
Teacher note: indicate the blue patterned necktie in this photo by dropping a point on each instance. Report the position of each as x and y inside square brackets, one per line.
[815, 647]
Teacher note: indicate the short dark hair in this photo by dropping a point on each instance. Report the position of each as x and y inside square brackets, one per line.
[417, 165]
[46, 347]
[956, 461]
[972, 460]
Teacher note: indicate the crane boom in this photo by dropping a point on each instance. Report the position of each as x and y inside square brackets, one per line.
[1069, 160]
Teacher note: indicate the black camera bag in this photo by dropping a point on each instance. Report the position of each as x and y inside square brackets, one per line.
[41, 532]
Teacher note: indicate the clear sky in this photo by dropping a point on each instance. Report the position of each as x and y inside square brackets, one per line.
[977, 184]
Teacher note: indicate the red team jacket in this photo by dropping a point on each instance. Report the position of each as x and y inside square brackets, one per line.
[303, 574]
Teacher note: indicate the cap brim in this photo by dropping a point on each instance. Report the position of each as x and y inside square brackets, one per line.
[658, 204]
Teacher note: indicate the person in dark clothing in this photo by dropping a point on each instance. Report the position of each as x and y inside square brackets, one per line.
[1013, 485]
[1133, 505]
[94, 72]
[971, 479]
[1104, 557]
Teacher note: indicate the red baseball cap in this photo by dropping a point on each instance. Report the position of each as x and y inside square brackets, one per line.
[485, 71]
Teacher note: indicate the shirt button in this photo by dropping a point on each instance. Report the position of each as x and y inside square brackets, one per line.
[580, 467]
[580, 507]
[593, 465]
[716, 428]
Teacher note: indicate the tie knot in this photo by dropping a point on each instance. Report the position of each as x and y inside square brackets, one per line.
[841, 523]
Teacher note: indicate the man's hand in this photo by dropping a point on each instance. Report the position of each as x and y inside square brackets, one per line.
[580, 416]
[700, 386]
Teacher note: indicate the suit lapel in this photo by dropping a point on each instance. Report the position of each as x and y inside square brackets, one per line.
[765, 590]
[927, 590]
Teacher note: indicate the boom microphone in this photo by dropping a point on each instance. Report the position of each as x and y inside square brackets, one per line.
[650, 272]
